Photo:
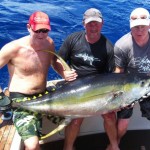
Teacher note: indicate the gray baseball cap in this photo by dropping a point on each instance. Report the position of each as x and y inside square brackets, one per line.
[92, 14]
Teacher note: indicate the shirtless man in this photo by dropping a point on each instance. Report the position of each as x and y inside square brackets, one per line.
[28, 69]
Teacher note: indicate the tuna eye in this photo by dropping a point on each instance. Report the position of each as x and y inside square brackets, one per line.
[142, 83]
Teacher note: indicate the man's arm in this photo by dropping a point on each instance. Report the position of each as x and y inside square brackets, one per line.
[6, 53]
[68, 75]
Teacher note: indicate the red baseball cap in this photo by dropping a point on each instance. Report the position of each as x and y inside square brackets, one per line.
[39, 20]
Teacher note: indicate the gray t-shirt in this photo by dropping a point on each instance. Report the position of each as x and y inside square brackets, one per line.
[130, 56]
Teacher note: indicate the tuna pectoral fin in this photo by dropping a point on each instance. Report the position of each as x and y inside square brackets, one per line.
[117, 94]
[59, 128]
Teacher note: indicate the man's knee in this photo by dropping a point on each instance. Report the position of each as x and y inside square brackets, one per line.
[123, 124]
[76, 122]
[109, 116]
[32, 143]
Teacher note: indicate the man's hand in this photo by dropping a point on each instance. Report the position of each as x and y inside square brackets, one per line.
[70, 75]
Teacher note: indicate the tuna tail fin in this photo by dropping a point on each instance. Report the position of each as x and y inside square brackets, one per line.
[65, 65]
[59, 128]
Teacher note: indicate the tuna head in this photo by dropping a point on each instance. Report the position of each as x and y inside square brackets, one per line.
[134, 88]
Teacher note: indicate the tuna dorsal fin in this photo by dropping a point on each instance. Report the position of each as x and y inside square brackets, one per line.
[65, 65]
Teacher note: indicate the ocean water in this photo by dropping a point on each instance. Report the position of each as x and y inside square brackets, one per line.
[65, 17]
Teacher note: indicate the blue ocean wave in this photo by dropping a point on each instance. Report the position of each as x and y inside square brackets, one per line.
[66, 17]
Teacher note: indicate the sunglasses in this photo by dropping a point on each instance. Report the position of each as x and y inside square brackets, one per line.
[41, 30]
[139, 17]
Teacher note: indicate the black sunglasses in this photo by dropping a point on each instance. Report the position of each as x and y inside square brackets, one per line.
[41, 30]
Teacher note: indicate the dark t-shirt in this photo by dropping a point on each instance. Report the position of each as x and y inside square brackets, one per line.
[87, 58]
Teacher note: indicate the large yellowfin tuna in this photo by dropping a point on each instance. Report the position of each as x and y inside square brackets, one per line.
[87, 96]
[91, 95]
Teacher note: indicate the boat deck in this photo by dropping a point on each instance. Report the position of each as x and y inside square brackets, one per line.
[133, 140]
[7, 132]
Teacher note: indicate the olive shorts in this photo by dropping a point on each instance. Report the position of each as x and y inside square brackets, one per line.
[27, 124]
